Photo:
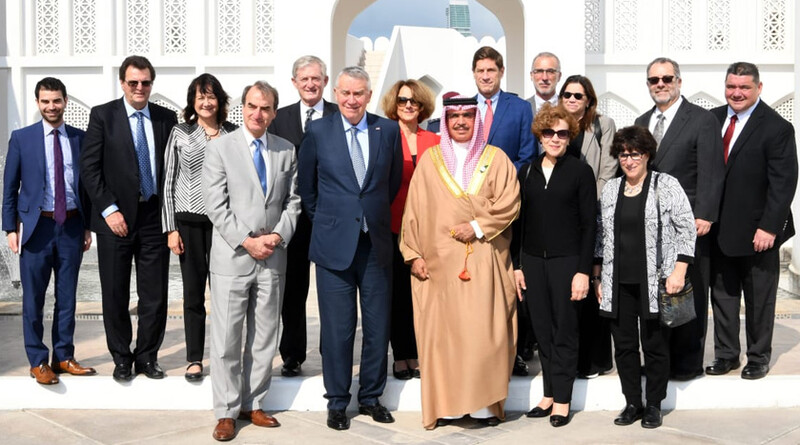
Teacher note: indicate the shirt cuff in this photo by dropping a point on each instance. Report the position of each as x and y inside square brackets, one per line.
[477, 229]
[109, 210]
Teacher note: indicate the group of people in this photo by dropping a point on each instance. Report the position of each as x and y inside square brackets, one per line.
[462, 244]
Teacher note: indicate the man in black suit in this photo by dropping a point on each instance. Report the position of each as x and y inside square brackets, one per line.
[310, 78]
[755, 219]
[122, 165]
[690, 149]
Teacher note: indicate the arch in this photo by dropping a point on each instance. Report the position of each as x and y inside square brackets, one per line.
[431, 83]
[617, 108]
[704, 100]
[76, 113]
[785, 107]
[158, 99]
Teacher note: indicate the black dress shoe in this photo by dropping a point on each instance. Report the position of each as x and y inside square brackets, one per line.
[415, 373]
[520, 367]
[337, 419]
[194, 376]
[151, 370]
[721, 366]
[558, 420]
[378, 412]
[631, 413]
[754, 371]
[443, 422]
[651, 417]
[539, 412]
[403, 374]
[686, 376]
[122, 372]
[489, 421]
[291, 368]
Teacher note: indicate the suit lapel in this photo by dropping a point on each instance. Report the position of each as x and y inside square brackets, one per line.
[375, 136]
[675, 128]
[749, 129]
[294, 122]
[244, 157]
[39, 152]
[74, 144]
[498, 111]
[272, 162]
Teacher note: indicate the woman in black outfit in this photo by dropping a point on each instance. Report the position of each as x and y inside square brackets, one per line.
[552, 251]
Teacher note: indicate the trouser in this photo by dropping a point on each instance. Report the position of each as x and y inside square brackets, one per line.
[196, 237]
[403, 338]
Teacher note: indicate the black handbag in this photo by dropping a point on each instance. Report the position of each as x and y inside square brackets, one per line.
[675, 309]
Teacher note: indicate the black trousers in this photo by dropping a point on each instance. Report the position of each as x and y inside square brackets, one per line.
[629, 326]
[146, 246]
[196, 236]
[293, 313]
[554, 320]
[594, 344]
[688, 341]
[757, 277]
[402, 337]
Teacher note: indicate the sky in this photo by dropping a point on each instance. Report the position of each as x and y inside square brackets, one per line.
[380, 17]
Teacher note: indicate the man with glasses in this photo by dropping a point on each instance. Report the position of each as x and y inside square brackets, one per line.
[122, 163]
[690, 149]
[310, 79]
[545, 75]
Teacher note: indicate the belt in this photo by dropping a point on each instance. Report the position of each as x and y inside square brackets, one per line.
[70, 213]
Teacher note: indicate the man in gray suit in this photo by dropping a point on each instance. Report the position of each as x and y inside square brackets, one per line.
[545, 75]
[249, 186]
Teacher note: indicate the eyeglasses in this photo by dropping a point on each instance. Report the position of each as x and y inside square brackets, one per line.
[635, 156]
[549, 133]
[666, 79]
[549, 71]
[567, 95]
[402, 101]
[135, 83]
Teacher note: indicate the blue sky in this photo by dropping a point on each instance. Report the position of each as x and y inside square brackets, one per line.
[380, 17]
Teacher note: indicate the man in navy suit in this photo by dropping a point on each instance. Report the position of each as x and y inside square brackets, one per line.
[43, 220]
[310, 78]
[349, 172]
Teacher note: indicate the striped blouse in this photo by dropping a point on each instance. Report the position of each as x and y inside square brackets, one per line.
[183, 170]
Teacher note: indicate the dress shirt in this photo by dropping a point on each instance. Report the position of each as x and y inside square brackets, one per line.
[540, 102]
[742, 119]
[318, 110]
[461, 149]
[669, 116]
[361, 135]
[482, 105]
[66, 151]
[252, 149]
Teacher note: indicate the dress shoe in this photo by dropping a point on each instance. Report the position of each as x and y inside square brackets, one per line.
[631, 413]
[443, 422]
[194, 376]
[489, 421]
[72, 366]
[754, 371]
[721, 366]
[122, 372]
[225, 429]
[539, 412]
[378, 412]
[403, 374]
[337, 419]
[151, 370]
[259, 418]
[686, 376]
[651, 417]
[520, 367]
[558, 420]
[415, 373]
[44, 375]
[291, 368]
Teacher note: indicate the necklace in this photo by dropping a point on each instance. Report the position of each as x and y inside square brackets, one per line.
[210, 136]
[633, 190]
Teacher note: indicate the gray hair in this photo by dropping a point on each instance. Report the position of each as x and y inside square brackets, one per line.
[675, 67]
[355, 72]
[265, 88]
[744, 69]
[306, 61]
[546, 54]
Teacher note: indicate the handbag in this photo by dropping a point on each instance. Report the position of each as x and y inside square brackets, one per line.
[675, 309]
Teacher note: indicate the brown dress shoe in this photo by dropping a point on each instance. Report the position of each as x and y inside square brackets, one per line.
[72, 366]
[259, 418]
[225, 429]
[44, 375]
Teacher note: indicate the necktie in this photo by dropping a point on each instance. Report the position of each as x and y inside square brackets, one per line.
[143, 156]
[726, 140]
[360, 169]
[261, 168]
[59, 188]
[309, 113]
[487, 122]
[658, 131]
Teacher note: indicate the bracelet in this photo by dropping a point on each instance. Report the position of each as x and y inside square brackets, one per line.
[597, 278]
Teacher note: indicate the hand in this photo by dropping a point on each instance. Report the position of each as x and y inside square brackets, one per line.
[763, 240]
[258, 247]
[463, 233]
[273, 240]
[420, 269]
[13, 241]
[87, 240]
[174, 242]
[675, 281]
[519, 279]
[116, 222]
[702, 226]
[598, 285]
[580, 287]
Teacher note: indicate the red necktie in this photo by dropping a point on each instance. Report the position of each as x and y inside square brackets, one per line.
[726, 140]
[487, 123]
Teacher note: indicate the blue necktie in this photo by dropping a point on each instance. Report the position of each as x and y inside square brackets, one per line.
[143, 156]
[357, 158]
[261, 168]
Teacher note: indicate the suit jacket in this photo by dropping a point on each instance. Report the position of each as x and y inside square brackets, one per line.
[691, 151]
[109, 166]
[24, 177]
[598, 154]
[760, 181]
[532, 101]
[287, 123]
[237, 206]
[332, 198]
[511, 129]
